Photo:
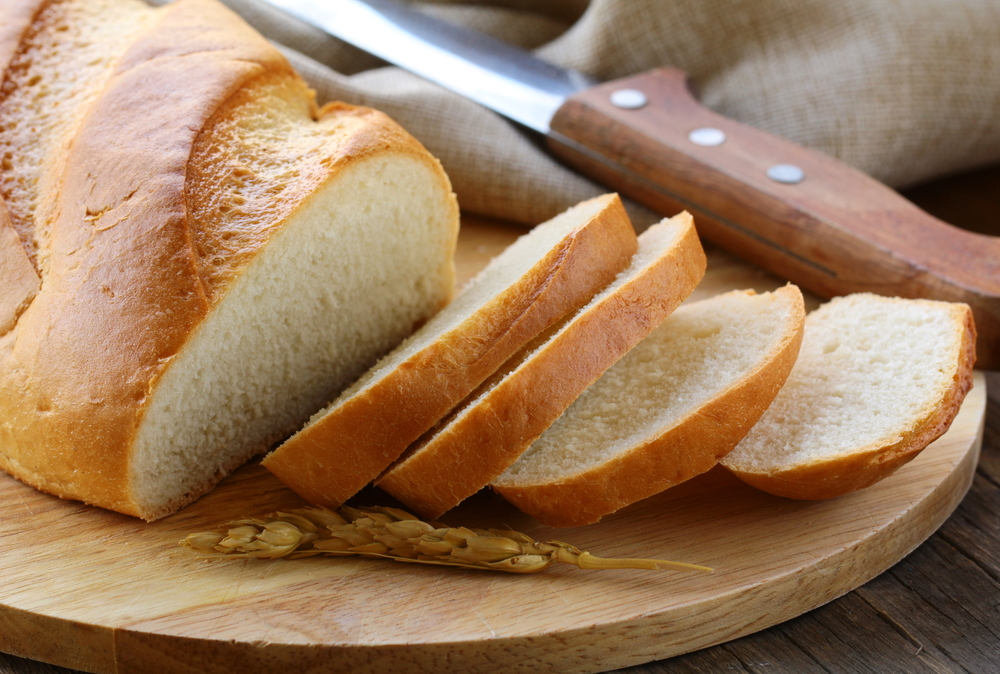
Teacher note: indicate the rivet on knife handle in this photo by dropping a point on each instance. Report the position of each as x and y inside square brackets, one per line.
[832, 230]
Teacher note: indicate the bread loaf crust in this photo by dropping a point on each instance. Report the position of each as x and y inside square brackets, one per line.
[479, 444]
[18, 15]
[690, 447]
[339, 453]
[125, 287]
[19, 280]
[863, 467]
[129, 296]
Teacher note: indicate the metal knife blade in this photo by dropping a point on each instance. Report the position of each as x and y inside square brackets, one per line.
[797, 212]
[503, 78]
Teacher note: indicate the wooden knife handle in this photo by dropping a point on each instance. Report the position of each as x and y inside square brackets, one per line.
[837, 231]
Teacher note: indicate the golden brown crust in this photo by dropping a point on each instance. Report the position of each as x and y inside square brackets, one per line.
[692, 446]
[121, 295]
[488, 437]
[338, 454]
[18, 278]
[235, 205]
[124, 291]
[16, 17]
[849, 472]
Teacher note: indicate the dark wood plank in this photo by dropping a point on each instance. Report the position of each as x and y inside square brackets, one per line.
[770, 652]
[773, 653]
[708, 660]
[989, 461]
[974, 529]
[10, 664]
[849, 635]
[945, 602]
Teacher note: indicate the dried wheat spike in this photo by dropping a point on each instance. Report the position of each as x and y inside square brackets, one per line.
[395, 534]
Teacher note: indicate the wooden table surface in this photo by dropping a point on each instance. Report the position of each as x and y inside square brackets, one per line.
[938, 610]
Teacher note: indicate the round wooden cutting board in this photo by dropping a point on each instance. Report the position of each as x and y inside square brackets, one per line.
[102, 592]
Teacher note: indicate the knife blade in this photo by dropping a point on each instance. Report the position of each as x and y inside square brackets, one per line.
[794, 211]
[498, 75]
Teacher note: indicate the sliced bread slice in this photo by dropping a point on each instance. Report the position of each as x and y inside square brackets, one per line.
[669, 410]
[540, 278]
[481, 439]
[877, 380]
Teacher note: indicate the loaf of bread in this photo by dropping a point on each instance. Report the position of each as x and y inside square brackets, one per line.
[194, 258]
[669, 410]
[877, 380]
[536, 281]
[488, 432]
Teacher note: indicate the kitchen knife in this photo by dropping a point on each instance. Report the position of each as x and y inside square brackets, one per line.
[797, 212]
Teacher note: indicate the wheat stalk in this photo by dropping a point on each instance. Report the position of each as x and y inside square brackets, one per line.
[395, 534]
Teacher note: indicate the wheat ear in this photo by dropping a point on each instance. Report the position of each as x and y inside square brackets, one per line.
[395, 534]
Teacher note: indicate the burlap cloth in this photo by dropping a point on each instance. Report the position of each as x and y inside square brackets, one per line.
[904, 90]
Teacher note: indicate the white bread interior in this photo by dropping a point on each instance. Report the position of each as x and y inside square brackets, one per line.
[290, 331]
[877, 380]
[701, 350]
[667, 411]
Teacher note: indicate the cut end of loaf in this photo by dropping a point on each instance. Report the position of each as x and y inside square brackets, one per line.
[291, 330]
[876, 381]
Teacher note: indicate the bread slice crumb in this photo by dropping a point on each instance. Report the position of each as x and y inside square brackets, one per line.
[488, 434]
[877, 380]
[669, 410]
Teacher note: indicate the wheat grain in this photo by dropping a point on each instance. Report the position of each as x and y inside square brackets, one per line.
[395, 534]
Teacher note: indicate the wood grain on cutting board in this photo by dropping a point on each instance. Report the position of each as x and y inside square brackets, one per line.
[102, 592]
